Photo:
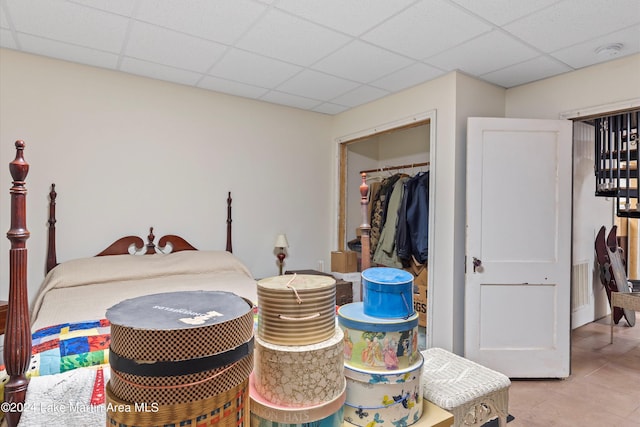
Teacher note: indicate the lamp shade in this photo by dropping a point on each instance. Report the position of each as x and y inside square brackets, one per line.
[281, 241]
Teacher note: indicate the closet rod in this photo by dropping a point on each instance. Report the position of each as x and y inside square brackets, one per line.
[389, 168]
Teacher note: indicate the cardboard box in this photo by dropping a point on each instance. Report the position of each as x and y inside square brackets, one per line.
[420, 305]
[344, 261]
[356, 279]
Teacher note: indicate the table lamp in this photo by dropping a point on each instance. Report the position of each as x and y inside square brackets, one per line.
[280, 245]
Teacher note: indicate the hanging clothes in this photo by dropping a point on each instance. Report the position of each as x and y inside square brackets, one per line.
[385, 253]
[378, 211]
[412, 236]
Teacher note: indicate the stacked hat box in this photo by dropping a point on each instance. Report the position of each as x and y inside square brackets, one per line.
[382, 362]
[298, 373]
[178, 357]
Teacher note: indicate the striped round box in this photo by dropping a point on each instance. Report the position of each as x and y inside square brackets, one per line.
[296, 309]
[297, 376]
[179, 347]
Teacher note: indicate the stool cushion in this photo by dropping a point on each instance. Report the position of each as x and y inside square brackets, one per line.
[450, 381]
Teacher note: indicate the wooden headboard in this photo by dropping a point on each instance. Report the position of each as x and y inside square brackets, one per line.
[122, 246]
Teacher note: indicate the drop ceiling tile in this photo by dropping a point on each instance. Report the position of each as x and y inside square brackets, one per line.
[329, 108]
[535, 69]
[290, 100]
[488, 52]
[360, 95]
[501, 12]
[223, 21]
[156, 44]
[585, 54]
[425, 29]
[351, 17]
[247, 67]
[361, 62]
[68, 52]
[158, 71]
[407, 77]
[69, 22]
[232, 88]
[316, 85]
[291, 39]
[7, 40]
[121, 7]
[573, 21]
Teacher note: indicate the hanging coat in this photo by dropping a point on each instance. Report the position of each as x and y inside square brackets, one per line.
[385, 253]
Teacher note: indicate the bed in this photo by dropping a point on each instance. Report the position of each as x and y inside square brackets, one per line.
[73, 299]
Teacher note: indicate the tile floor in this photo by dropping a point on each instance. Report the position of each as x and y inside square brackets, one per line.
[602, 391]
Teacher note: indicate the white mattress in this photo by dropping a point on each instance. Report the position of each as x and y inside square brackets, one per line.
[84, 289]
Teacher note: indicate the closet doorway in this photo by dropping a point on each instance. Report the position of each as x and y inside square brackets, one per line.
[406, 148]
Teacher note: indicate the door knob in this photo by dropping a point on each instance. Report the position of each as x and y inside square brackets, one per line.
[477, 265]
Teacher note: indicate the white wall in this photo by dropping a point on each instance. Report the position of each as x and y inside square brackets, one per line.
[128, 152]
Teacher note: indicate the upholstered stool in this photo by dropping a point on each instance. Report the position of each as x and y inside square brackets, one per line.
[473, 393]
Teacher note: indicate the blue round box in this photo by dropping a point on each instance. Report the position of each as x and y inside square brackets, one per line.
[387, 292]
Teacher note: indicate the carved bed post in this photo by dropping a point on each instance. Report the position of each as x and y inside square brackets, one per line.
[229, 248]
[365, 241]
[52, 260]
[17, 339]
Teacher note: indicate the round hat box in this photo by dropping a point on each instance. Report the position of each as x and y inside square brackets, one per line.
[299, 376]
[177, 347]
[296, 309]
[387, 292]
[226, 409]
[391, 398]
[268, 414]
[378, 344]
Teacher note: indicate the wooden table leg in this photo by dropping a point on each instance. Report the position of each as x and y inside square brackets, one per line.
[611, 339]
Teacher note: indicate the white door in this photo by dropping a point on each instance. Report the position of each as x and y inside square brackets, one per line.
[518, 266]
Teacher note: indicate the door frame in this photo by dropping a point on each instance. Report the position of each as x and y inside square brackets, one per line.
[427, 117]
[582, 114]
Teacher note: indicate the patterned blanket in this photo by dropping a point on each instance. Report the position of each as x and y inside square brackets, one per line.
[61, 348]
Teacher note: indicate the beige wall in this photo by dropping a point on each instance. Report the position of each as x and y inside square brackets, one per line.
[128, 152]
[615, 82]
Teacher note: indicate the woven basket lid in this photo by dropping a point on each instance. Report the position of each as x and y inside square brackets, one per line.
[296, 309]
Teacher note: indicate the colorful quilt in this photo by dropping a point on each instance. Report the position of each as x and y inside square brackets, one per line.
[64, 347]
